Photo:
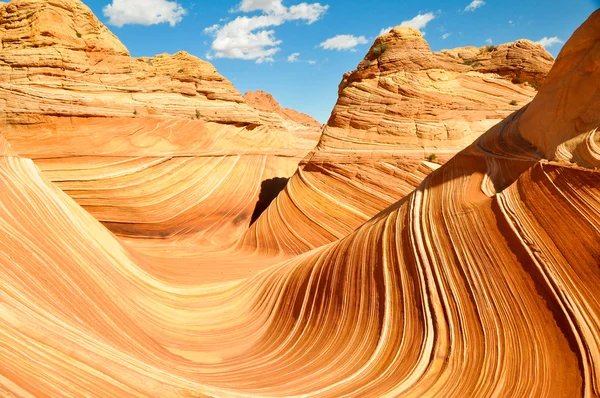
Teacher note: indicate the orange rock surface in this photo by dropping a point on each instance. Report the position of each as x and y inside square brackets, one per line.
[413, 303]
[152, 147]
[480, 282]
[265, 102]
[400, 114]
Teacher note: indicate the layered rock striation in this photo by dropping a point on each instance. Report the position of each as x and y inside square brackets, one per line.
[481, 282]
[404, 111]
[146, 145]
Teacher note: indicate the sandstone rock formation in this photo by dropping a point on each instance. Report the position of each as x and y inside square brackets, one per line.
[481, 282]
[108, 128]
[400, 114]
[265, 102]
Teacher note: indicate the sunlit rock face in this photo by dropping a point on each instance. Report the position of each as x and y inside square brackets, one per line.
[265, 102]
[399, 115]
[483, 281]
[161, 147]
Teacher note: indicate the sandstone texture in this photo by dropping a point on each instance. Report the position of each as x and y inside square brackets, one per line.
[403, 94]
[483, 281]
[404, 111]
[146, 145]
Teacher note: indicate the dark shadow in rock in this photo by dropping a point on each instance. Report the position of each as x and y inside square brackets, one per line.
[269, 189]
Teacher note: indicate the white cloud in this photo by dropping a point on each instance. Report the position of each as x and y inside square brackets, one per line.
[446, 35]
[143, 12]
[386, 30]
[420, 21]
[489, 41]
[549, 41]
[249, 37]
[309, 12]
[295, 57]
[267, 6]
[475, 4]
[343, 42]
[511, 23]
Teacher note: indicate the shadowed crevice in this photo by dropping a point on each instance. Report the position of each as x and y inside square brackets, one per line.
[269, 189]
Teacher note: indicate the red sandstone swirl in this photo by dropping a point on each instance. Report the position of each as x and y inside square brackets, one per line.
[400, 114]
[482, 282]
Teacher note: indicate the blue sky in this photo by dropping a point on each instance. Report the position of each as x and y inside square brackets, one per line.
[298, 50]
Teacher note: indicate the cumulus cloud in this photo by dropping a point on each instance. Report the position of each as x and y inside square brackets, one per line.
[143, 12]
[446, 35]
[475, 4]
[549, 41]
[420, 21]
[252, 38]
[311, 13]
[343, 42]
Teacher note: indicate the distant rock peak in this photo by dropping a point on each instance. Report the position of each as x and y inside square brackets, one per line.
[403, 95]
[264, 101]
[66, 24]
[405, 49]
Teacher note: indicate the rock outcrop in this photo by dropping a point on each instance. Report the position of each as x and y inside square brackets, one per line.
[404, 95]
[481, 282]
[108, 128]
[264, 101]
[404, 111]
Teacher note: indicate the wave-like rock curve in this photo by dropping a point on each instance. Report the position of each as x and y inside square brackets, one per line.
[481, 282]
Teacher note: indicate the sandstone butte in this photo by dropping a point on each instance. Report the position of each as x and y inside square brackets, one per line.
[404, 111]
[152, 147]
[482, 281]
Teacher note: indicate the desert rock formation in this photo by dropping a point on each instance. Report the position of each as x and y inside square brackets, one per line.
[400, 114]
[481, 282]
[168, 131]
[265, 102]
